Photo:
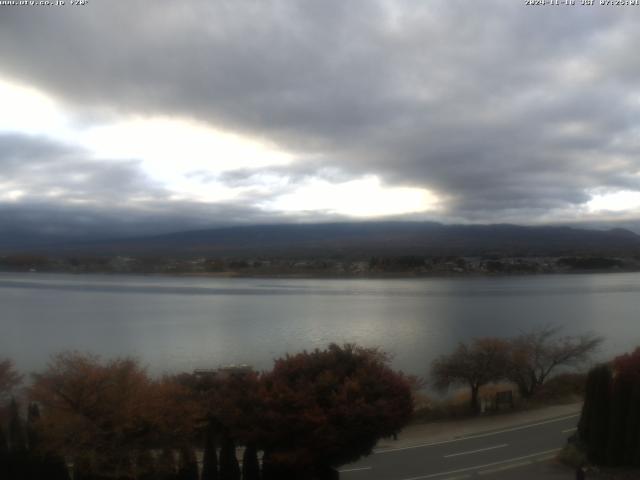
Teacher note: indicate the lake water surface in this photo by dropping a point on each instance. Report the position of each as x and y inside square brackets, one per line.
[178, 324]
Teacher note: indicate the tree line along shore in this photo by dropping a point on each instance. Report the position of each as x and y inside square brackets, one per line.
[90, 418]
[335, 266]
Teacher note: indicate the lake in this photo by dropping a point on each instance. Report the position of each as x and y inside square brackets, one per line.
[181, 323]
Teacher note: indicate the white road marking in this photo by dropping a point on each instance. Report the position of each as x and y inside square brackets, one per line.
[546, 458]
[479, 467]
[480, 435]
[476, 451]
[506, 467]
[354, 469]
[570, 430]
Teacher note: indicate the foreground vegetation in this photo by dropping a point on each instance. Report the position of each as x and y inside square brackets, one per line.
[313, 412]
[89, 419]
[526, 361]
[609, 428]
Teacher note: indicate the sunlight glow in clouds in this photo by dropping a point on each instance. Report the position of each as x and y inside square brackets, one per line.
[169, 147]
[29, 111]
[625, 200]
[11, 195]
[171, 150]
[358, 198]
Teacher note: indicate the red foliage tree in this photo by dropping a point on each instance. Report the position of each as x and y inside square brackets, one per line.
[330, 407]
[628, 366]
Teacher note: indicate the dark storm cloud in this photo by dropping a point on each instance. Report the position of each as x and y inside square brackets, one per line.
[507, 112]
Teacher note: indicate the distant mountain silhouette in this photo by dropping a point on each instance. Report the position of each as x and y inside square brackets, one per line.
[359, 239]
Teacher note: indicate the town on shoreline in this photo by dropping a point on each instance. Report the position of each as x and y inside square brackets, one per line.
[321, 267]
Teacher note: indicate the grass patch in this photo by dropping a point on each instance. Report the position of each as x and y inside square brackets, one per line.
[562, 389]
[573, 456]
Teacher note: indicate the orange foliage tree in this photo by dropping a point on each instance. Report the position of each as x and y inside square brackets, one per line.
[107, 413]
[9, 378]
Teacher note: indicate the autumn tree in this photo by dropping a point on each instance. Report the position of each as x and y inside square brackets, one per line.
[230, 403]
[106, 410]
[329, 407]
[42, 463]
[231, 410]
[483, 361]
[535, 355]
[173, 411]
[9, 379]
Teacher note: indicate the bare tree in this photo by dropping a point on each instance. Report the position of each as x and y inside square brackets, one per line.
[535, 355]
[484, 360]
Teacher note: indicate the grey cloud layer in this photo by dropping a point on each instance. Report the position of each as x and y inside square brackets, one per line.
[508, 112]
[65, 192]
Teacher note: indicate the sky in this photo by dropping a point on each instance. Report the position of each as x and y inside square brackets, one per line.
[140, 117]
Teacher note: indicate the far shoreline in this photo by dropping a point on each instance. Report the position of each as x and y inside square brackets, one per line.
[328, 276]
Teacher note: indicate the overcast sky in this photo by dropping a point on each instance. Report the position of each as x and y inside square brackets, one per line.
[152, 116]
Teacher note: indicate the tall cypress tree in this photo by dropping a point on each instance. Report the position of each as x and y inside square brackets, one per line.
[632, 433]
[620, 405]
[120, 466]
[273, 471]
[188, 466]
[229, 468]
[594, 424]
[42, 464]
[18, 455]
[17, 439]
[250, 464]
[4, 455]
[35, 461]
[146, 466]
[268, 471]
[33, 417]
[166, 465]
[210, 458]
[55, 468]
[83, 468]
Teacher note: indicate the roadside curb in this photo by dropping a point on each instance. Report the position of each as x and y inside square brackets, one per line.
[415, 436]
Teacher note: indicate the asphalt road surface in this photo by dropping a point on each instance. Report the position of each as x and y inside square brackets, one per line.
[516, 452]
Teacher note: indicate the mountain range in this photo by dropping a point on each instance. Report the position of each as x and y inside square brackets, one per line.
[351, 239]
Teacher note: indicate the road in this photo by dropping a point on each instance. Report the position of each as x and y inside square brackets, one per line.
[516, 452]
